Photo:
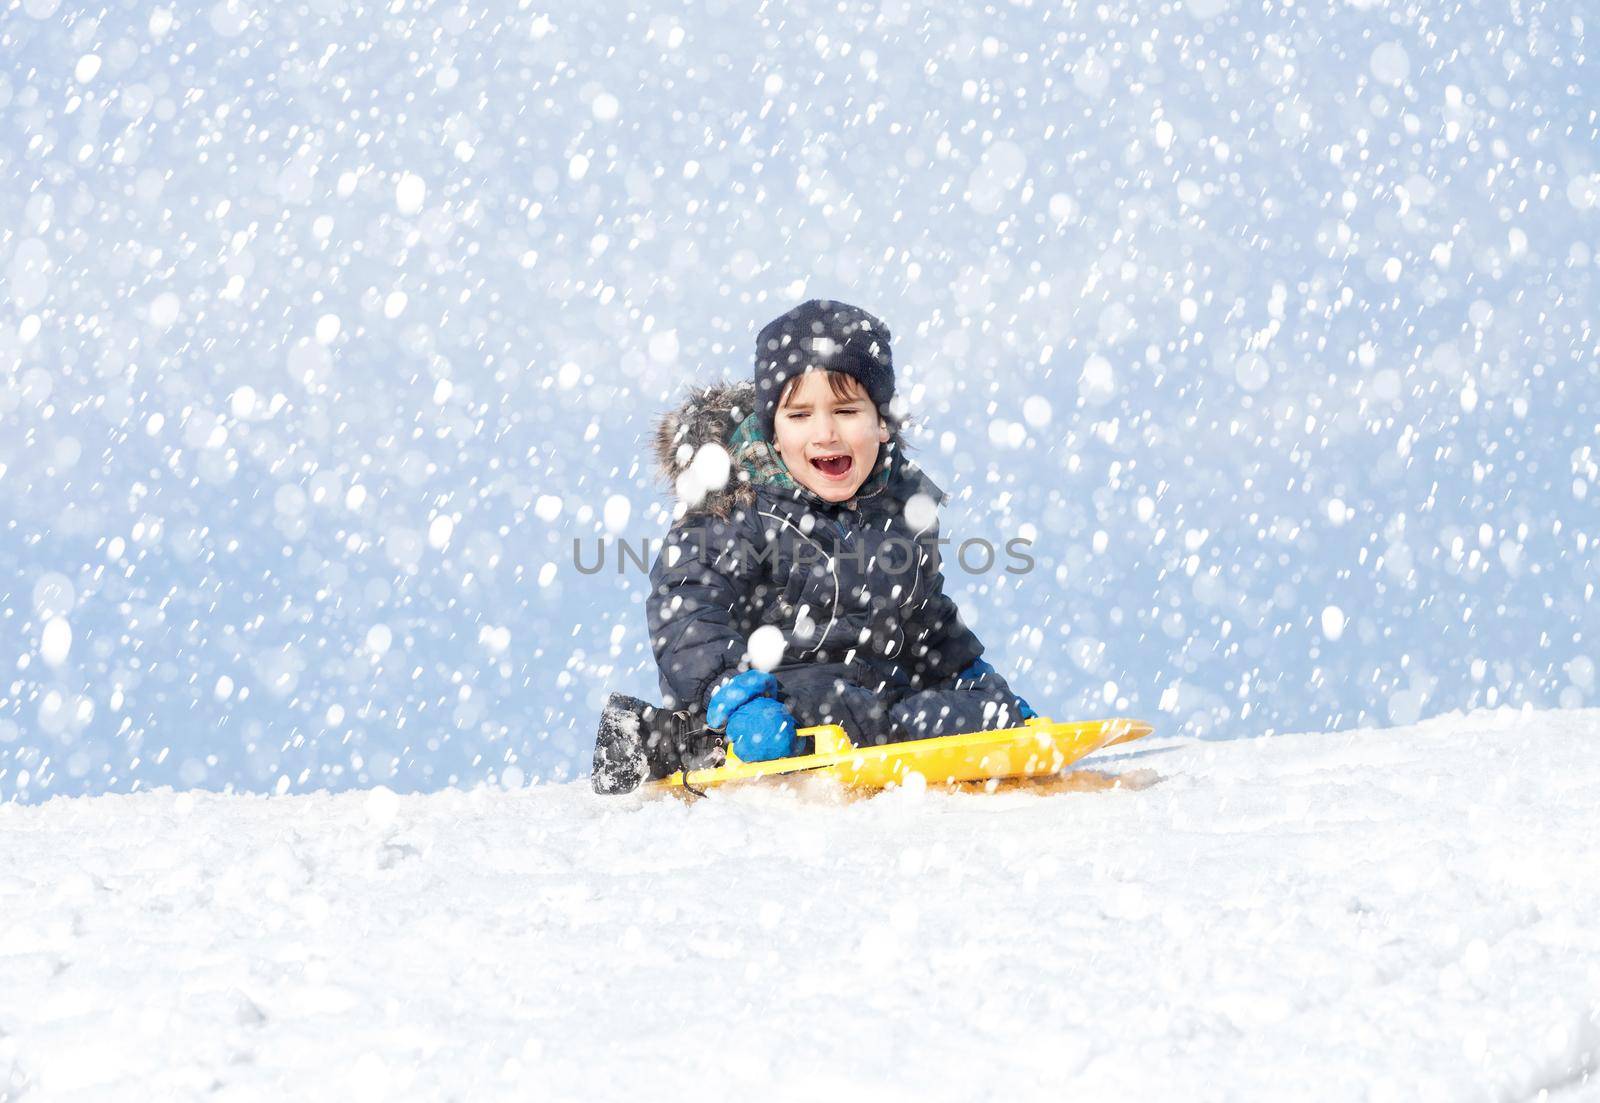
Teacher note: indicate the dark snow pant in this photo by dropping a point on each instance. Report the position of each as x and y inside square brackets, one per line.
[825, 694]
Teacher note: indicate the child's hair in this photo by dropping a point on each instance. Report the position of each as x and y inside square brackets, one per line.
[842, 386]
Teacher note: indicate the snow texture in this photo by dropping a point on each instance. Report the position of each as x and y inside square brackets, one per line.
[327, 329]
[1395, 914]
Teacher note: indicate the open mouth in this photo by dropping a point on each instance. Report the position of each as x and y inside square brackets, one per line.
[834, 467]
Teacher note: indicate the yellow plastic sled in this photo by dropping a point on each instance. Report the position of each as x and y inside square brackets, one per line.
[1040, 748]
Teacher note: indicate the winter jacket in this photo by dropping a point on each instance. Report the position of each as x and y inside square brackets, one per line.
[855, 589]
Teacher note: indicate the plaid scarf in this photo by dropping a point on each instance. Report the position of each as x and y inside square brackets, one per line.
[754, 455]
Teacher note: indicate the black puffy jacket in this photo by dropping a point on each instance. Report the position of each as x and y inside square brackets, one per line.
[852, 586]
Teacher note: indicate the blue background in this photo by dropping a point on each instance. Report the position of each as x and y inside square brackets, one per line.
[1274, 330]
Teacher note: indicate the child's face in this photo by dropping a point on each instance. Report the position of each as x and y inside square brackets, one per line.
[829, 443]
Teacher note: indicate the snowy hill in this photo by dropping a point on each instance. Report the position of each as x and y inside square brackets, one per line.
[1405, 914]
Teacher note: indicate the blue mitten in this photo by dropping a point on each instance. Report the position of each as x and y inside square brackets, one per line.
[737, 692]
[978, 669]
[762, 730]
[981, 667]
[759, 726]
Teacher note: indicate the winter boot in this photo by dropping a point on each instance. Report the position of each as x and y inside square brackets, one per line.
[638, 741]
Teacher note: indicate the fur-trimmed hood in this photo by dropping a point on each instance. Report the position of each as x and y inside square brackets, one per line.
[715, 482]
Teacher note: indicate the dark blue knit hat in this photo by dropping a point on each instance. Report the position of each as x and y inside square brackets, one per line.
[822, 335]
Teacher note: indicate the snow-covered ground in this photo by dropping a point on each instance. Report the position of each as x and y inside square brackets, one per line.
[1397, 914]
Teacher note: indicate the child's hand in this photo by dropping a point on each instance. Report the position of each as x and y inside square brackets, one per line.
[978, 669]
[759, 726]
[762, 730]
[981, 667]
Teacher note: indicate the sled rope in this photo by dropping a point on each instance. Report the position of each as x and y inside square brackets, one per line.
[683, 779]
[682, 747]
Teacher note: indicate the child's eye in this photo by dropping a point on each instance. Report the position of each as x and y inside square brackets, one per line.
[797, 416]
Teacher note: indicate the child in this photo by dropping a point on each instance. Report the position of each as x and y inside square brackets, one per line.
[801, 511]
